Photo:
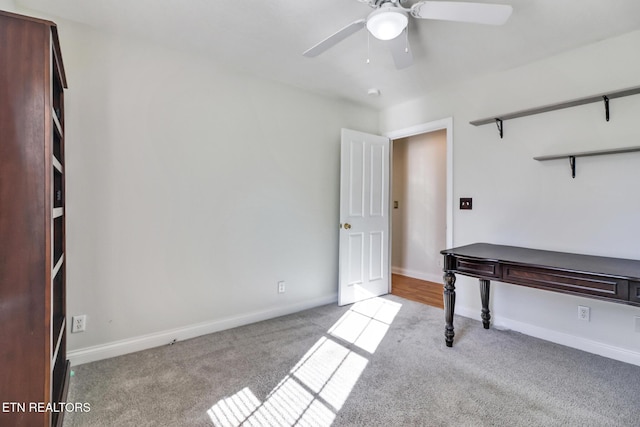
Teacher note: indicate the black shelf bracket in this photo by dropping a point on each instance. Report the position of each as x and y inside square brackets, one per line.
[572, 163]
[499, 124]
[606, 106]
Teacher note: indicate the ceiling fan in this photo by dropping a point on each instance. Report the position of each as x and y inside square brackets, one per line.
[390, 19]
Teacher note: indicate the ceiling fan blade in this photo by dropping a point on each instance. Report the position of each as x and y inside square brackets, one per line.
[335, 38]
[479, 13]
[401, 51]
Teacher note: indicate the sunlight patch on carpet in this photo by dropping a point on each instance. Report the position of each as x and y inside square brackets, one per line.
[317, 387]
[366, 324]
[233, 410]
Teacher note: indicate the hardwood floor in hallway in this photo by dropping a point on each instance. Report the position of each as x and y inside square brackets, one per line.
[429, 293]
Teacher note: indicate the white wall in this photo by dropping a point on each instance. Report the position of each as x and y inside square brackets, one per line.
[192, 190]
[8, 5]
[419, 187]
[520, 201]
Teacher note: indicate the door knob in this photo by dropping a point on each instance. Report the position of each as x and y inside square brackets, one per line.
[347, 226]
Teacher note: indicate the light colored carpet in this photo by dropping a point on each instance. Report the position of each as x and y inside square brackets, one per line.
[381, 363]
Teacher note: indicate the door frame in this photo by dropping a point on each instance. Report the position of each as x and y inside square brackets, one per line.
[446, 124]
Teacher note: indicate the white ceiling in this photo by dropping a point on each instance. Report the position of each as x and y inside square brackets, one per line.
[267, 38]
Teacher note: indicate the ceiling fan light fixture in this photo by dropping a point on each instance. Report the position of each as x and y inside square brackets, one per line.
[387, 23]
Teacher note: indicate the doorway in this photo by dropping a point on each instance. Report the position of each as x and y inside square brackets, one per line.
[420, 213]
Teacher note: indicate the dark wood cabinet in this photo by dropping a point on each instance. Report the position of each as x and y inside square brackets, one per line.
[33, 365]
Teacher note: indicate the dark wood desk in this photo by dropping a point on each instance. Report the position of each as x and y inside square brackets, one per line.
[608, 279]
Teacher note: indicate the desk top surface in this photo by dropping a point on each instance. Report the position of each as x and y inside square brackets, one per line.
[618, 267]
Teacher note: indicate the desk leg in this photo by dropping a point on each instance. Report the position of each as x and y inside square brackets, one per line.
[484, 297]
[449, 306]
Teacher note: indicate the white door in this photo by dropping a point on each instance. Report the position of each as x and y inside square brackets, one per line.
[364, 217]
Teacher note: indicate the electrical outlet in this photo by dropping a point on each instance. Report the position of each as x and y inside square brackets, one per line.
[78, 323]
[583, 313]
[281, 287]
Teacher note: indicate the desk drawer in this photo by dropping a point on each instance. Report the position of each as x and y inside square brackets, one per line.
[472, 267]
[567, 282]
[634, 292]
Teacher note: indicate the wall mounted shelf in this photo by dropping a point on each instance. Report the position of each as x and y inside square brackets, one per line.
[604, 97]
[572, 156]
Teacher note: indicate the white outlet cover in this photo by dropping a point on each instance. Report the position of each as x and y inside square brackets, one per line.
[78, 323]
[637, 323]
[584, 313]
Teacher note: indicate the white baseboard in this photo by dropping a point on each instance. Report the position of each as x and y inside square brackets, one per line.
[429, 277]
[131, 345]
[584, 344]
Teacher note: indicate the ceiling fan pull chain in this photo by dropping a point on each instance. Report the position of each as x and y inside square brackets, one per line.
[406, 39]
[368, 47]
